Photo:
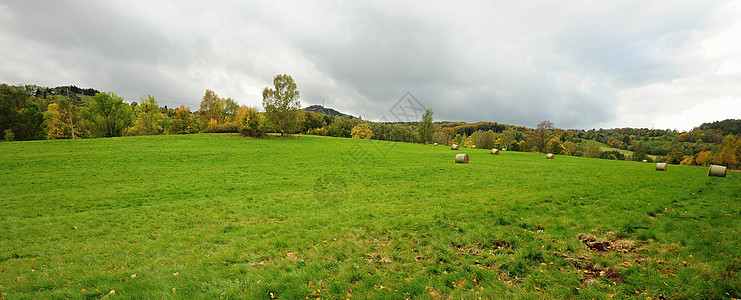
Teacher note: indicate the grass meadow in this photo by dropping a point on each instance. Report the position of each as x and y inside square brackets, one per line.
[220, 216]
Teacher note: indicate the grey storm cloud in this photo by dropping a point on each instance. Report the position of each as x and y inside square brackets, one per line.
[581, 64]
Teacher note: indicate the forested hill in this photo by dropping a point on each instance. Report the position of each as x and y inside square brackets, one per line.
[326, 111]
[729, 126]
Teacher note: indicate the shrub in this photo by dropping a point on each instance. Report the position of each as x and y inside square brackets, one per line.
[9, 136]
[250, 123]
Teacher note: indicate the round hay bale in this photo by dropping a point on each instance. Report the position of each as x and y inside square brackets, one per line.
[716, 170]
[474, 146]
[645, 160]
[454, 147]
[435, 144]
[550, 156]
[661, 166]
[495, 151]
[461, 158]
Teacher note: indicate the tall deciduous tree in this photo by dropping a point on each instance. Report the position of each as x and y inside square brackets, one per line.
[282, 104]
[424, 129]
[19, 115]
[540, 137]
[149, 118]
[216, 111]
[592, 150]
[183, 121]
[62, 121]
[210, 109]
[108, 115]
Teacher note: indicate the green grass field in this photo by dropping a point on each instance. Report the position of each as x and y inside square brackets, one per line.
[208, 216]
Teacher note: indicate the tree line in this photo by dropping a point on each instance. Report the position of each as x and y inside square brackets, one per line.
[32, 112]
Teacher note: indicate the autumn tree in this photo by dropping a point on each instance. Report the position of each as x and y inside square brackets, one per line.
[61, 119]
[183, 121]
[281, 104]
[210, 110]
[555, 146]
[149, 119]
[424, 129]
[362, 131]
[108, 115]
[729, 153]
[251, 123]
[540, 137]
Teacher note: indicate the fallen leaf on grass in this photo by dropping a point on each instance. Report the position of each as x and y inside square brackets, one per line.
[176, 274]
[470, 183]
[315, 294]
[609, 295]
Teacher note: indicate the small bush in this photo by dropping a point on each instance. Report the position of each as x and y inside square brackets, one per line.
[9, 136]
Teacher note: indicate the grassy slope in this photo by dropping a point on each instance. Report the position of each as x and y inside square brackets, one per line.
[604, 147]
[210, 215]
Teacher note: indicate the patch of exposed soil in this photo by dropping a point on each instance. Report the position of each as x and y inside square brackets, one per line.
[591, 270]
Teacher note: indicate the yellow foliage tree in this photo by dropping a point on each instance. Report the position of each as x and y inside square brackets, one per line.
[362, 131]
[183, 121]
[250, 122]
[59, 121]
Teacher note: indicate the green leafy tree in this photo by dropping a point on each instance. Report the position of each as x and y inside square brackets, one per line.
[19, 114]
[592, 150]
[149, 119]
[639, 152]
[424, 129]
[8, 135]
[107, 116]
[282, 104]
[458, 139]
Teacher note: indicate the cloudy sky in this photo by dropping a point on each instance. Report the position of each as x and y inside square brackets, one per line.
[587, 64]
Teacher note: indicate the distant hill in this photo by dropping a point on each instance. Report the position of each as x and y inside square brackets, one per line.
[728, 126]
[326, 111]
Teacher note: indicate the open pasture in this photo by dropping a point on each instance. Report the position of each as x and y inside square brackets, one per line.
[209, 215]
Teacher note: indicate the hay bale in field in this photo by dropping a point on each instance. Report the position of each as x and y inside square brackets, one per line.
[661, 166]
[645, 160]
[716, 170]
[550, 156]
[435, 144]
[495, 151]
[454, 147]
[461, 158]
[474, 146]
